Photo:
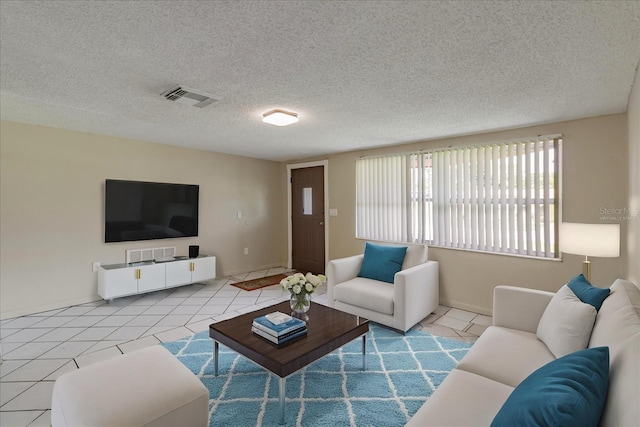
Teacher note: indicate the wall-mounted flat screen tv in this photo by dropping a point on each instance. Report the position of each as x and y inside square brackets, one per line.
[137, 210]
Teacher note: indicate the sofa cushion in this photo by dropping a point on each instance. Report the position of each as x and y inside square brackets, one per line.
[566, 324]
[618, 318]
[588, 293]
[416, 255]
[569, 391]
[382, 262]
[623, 400]
[506, 355]
[618, 326]
[366, 293]
[463, 399]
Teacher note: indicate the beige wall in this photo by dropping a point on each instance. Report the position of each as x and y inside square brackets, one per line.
[633, 234]
[595, 176]
[51, 210]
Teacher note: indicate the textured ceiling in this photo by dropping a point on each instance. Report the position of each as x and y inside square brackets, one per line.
[360, 74]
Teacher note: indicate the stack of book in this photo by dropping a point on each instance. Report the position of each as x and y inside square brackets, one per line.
[279, 328]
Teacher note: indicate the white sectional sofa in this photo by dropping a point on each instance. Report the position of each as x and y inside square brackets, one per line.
[507, 352]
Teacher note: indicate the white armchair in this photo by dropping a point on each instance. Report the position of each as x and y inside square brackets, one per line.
[399, 305]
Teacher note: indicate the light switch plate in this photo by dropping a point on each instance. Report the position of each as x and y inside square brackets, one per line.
[333, 212]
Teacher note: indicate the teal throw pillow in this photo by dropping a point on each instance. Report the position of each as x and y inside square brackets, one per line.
[588, 293]
[382, 262]
[569, 391]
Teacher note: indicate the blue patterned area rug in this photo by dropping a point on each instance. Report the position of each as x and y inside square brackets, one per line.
[402, 372]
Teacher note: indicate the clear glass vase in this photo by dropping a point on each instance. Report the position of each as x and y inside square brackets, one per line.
[300, 303]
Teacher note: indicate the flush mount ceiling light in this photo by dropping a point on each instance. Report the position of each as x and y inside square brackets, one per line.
[280, 117]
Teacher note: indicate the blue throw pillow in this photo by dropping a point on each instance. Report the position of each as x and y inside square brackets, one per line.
[570, 391]
[382, 262]
[588, 293]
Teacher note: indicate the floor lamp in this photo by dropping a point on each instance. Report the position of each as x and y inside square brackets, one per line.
[595, 240]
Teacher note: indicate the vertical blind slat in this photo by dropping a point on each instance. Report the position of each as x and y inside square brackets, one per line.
[411, 211]
[473, 198]
[513, 208]
[460, 197]
[547, 211]
[434, 201]
[481, 200]
[446, 194]
[527, 201]
[450, 218]
[442, 223]
[453, 177]
[487, 199]
[519, 188]
[537, 197]
[495, 199]
[467, 198]
[428, 200]
[504, 216]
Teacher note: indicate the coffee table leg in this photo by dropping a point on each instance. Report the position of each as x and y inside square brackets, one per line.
[215, 358]
[364, 352]
[281, 402]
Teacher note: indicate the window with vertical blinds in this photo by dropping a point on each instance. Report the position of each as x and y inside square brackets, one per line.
[495, 198]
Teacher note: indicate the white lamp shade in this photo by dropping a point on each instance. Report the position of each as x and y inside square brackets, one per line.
[596, 240]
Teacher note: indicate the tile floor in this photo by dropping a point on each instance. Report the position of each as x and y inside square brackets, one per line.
[36, 349]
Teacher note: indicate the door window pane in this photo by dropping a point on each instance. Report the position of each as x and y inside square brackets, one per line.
[307, 206]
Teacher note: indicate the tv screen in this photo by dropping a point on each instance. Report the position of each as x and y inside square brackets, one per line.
[137, 210]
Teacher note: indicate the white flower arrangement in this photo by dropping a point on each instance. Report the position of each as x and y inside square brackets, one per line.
[300, 284]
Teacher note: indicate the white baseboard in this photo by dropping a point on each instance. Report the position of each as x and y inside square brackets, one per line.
[244, 271]
[467, 307]
[10, 314]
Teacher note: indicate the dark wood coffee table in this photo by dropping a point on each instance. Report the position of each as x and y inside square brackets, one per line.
[328, 329]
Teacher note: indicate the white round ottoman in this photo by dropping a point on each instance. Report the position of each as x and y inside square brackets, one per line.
[148, 387]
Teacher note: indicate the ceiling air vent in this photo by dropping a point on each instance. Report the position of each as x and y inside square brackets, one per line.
[186, 95]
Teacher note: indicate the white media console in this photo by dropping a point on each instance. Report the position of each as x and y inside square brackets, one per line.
[120, 280]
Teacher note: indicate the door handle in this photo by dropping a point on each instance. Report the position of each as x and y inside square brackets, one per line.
[321, 222]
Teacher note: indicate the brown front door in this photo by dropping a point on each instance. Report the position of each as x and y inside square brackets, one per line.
[307, 219]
